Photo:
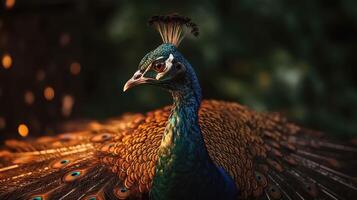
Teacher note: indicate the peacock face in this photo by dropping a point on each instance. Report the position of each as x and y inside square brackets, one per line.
[162, 67]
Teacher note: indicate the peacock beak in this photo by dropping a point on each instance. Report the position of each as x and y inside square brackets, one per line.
[137, 79]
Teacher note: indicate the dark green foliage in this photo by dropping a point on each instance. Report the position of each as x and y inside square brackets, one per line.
[295, 58]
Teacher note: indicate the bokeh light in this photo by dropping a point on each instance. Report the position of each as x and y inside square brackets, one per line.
[29, 97]
[75, 68]
[23, 130]
[6, 61]
[67, 105]
[49, 93]
[9, 4]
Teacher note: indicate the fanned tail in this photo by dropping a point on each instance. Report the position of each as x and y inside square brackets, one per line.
[302, 164]
[67, 166]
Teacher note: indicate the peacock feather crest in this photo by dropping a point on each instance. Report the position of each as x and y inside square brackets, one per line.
[173, 28]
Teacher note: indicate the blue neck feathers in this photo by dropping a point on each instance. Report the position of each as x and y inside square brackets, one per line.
[184, 169]
[183, 122]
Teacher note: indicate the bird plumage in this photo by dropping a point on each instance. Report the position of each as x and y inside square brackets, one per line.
[190, 150]
[266, 156]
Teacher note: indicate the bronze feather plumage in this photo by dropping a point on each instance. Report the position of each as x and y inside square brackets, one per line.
[266, 156]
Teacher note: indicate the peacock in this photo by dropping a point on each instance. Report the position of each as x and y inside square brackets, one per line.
[193, 149]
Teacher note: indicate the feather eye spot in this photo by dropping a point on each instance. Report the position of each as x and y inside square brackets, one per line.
[37, 198]
[274, 192]
[101, 137]
[312, 189]
[60, 164]
[75, 173]
[72, 176]
[260, 178]
[121, 192]
[64, 161]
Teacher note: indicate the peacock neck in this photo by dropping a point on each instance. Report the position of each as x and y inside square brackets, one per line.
[182, 127]
[182, 124]
[184, 169]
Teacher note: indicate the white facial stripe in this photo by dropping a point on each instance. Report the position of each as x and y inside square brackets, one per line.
[170, 58]
[168, 65]
[159, 58]
[168, 62]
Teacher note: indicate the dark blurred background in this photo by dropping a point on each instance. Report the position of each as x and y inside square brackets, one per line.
[63, 60]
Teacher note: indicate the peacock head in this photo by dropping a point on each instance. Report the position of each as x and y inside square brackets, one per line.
[165, 66]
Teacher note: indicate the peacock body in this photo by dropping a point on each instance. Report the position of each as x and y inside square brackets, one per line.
[193, 149]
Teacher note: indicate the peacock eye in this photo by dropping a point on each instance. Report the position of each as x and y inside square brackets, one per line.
[159, 67]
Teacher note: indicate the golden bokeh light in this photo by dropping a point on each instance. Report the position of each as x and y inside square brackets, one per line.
[29, 97]
[75, 68]
[6, 61]
[2, 123]
[23, 130]
[67, 105]
[49, 93]
[9, 4]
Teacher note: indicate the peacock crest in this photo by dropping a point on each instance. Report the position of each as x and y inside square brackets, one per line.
[173, 28]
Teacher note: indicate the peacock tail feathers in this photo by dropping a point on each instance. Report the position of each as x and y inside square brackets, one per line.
[268, 158]
[68, 166]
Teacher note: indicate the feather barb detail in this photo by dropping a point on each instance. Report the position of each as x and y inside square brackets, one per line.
[173, 28]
